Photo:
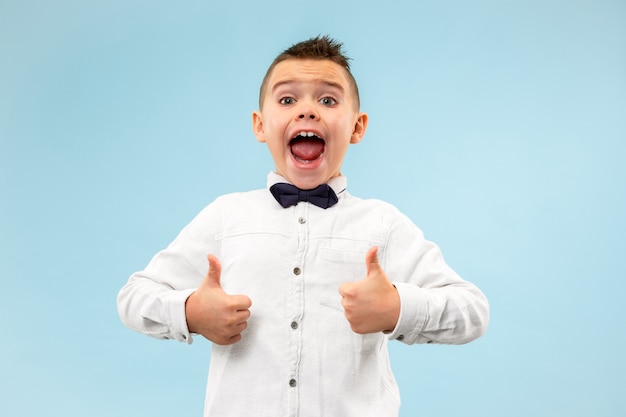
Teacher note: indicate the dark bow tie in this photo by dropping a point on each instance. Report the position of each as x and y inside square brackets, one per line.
[289, 195]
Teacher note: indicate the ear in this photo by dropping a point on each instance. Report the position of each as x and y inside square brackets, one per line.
[257, 126]
[360, 126]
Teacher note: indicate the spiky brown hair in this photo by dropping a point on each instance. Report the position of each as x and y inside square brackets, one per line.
[320, 47]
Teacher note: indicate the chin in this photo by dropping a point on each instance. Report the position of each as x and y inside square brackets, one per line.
[306, 179]
[308, 182]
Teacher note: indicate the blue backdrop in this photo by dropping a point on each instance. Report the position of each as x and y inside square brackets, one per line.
[499, 127]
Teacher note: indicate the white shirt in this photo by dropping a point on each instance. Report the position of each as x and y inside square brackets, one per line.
[298, 355]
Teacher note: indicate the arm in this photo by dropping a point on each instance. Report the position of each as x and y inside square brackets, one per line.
[153, 300]
[436, 304]
[426, 302]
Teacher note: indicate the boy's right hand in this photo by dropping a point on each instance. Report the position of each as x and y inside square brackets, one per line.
[214, 314]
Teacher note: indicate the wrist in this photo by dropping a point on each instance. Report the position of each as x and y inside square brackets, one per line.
[393, 310]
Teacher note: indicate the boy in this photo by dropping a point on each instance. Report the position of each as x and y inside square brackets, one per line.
[305, 285]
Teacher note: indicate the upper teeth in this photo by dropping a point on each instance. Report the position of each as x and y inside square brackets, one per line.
[306, 134]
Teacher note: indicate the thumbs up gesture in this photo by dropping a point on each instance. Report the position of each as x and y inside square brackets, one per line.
[214, 314]
[372, 304]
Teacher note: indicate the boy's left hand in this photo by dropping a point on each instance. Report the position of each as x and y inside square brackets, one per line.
[372, 304]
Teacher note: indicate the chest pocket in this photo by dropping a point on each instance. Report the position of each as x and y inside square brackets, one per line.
[347, 257]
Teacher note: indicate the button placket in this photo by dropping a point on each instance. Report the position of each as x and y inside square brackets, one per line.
[300, 224]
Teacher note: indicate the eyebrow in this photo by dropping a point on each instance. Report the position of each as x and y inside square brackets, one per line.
[326, 83]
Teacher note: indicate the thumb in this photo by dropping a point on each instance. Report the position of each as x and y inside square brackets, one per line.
[371, 261]
[215, 271]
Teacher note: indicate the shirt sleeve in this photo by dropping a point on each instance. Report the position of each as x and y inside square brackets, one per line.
[153, 300]
[436, 304]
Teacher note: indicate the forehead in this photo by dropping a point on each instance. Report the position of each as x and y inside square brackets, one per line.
[306, 71]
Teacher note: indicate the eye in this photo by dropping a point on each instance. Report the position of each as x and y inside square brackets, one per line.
[287, 100]
[328, 101]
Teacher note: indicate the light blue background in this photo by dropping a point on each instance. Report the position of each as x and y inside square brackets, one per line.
[499, 127]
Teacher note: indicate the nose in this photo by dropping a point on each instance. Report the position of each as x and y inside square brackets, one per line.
[307, 111]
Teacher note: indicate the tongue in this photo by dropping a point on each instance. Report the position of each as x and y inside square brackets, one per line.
[307, 149]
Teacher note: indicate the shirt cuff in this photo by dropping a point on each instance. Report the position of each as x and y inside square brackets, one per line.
[174, 303]
[413, 314]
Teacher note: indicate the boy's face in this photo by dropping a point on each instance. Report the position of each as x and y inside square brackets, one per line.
[308, 119]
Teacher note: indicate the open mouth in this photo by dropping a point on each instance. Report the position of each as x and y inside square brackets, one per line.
[307, 147]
